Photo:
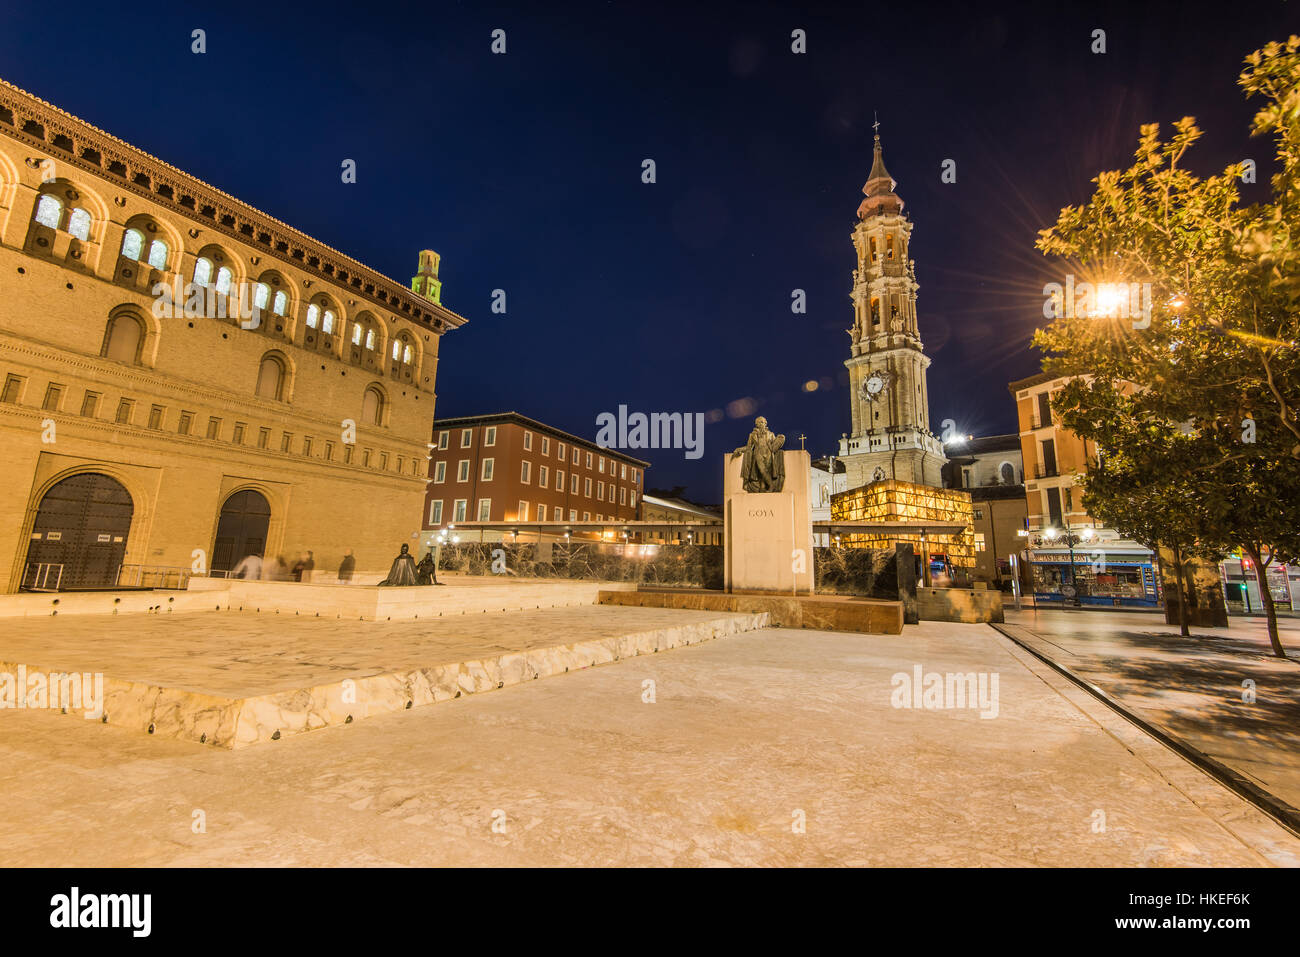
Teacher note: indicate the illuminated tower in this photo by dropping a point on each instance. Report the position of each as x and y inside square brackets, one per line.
[889, 401]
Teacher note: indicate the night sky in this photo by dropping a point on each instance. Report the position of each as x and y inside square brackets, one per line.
[524, 172]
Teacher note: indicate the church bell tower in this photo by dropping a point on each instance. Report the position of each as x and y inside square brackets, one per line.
[890, 403]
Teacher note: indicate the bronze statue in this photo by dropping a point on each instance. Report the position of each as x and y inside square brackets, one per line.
[763, 469]
[403, 570]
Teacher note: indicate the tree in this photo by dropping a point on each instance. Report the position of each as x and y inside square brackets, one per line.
[1198, 394]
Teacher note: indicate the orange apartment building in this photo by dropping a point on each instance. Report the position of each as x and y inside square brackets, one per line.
[1071, 555]
[508, 468]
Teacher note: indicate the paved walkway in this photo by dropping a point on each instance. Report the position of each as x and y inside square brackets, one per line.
[744, 741]
[1199, 689]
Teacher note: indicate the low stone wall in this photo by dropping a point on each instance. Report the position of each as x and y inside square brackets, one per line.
[864, 572]
[969, 605]
[683, 565]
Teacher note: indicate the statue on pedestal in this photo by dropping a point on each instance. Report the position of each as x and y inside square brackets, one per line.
[763, 469]
[403, 570]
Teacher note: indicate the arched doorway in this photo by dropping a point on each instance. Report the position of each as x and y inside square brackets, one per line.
[82, 524]
[241, 529]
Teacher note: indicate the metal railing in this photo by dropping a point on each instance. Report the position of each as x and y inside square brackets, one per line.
[1046, 471]
[37, 576]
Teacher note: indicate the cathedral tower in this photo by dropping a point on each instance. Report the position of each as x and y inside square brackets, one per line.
[890, 404]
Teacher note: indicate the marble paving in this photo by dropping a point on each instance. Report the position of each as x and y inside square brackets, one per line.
[235, 678]
[773, 748]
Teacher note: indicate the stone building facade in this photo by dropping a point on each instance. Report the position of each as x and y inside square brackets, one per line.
[186, 380]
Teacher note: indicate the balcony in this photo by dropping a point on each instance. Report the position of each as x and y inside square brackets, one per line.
[1046, 471]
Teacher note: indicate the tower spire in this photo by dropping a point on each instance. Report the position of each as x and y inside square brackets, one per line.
[879, 188]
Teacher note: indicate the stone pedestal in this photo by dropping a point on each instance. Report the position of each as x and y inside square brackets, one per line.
[769, 542]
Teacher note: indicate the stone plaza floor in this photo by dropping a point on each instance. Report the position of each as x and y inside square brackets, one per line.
[1219, 690]
[732, 746]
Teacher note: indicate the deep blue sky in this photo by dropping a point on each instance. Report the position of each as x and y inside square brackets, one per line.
[524, 172]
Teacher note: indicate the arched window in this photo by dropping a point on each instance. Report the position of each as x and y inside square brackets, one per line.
[322, 324]
[313, 316]
[123, 339]
[1008, 472]
[133, 244]
[370, 340]
[224, 280]
[280, 304]
[357, 332]
[158, 254]
[49, 211]
[372, 406]
[79, 224]
[262, 295]
[270, 378]
[203, 271]
[403, 357]
[327, 326]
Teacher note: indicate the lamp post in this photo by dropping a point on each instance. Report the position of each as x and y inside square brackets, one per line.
[1070, 540]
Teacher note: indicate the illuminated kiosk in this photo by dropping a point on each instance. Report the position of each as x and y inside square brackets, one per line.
[900, 504]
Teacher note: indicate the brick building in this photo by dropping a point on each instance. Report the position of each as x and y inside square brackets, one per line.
[281, 402]
[506, 467]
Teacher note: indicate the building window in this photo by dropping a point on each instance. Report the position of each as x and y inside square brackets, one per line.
[202, 271]
[575, 455]
[365, 458]
[600, 491]
[586, 516]
[623, 471]
[632, 501]
[622, 496]
[636, 477]
[546, 445]
[435, 512]
[458, 510]
[348, 451]
[543, 475]
[383, 461]
[526, 472]
[124, 409]
[13, 389]
[490, 435]
[442, 440]
[156, 417]
[489, 467]
[373, 404]
[158, 257]
[485, 510]
[559, 451]
[586, 488]
[559, 480]
[123, 338]
[466, 437]
[521, 515]
[238, 437]
[270, 378]
[49, 211]
[263, 438]
[575, 483]
[306, 446]
[440, 472]
[462, 470]
[541, 512]
[573, 514]
[214, 427]
[286, 441]
[528, 441]
[53, 396]
[977, 514]
[602, 465]
[280, 305]
[329, 451]
[90, 405]
[132, 245]
[79, 224]
[588, 460]
[185, 424]
[313, 316]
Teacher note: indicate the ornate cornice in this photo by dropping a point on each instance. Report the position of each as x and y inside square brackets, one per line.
[35, 122]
